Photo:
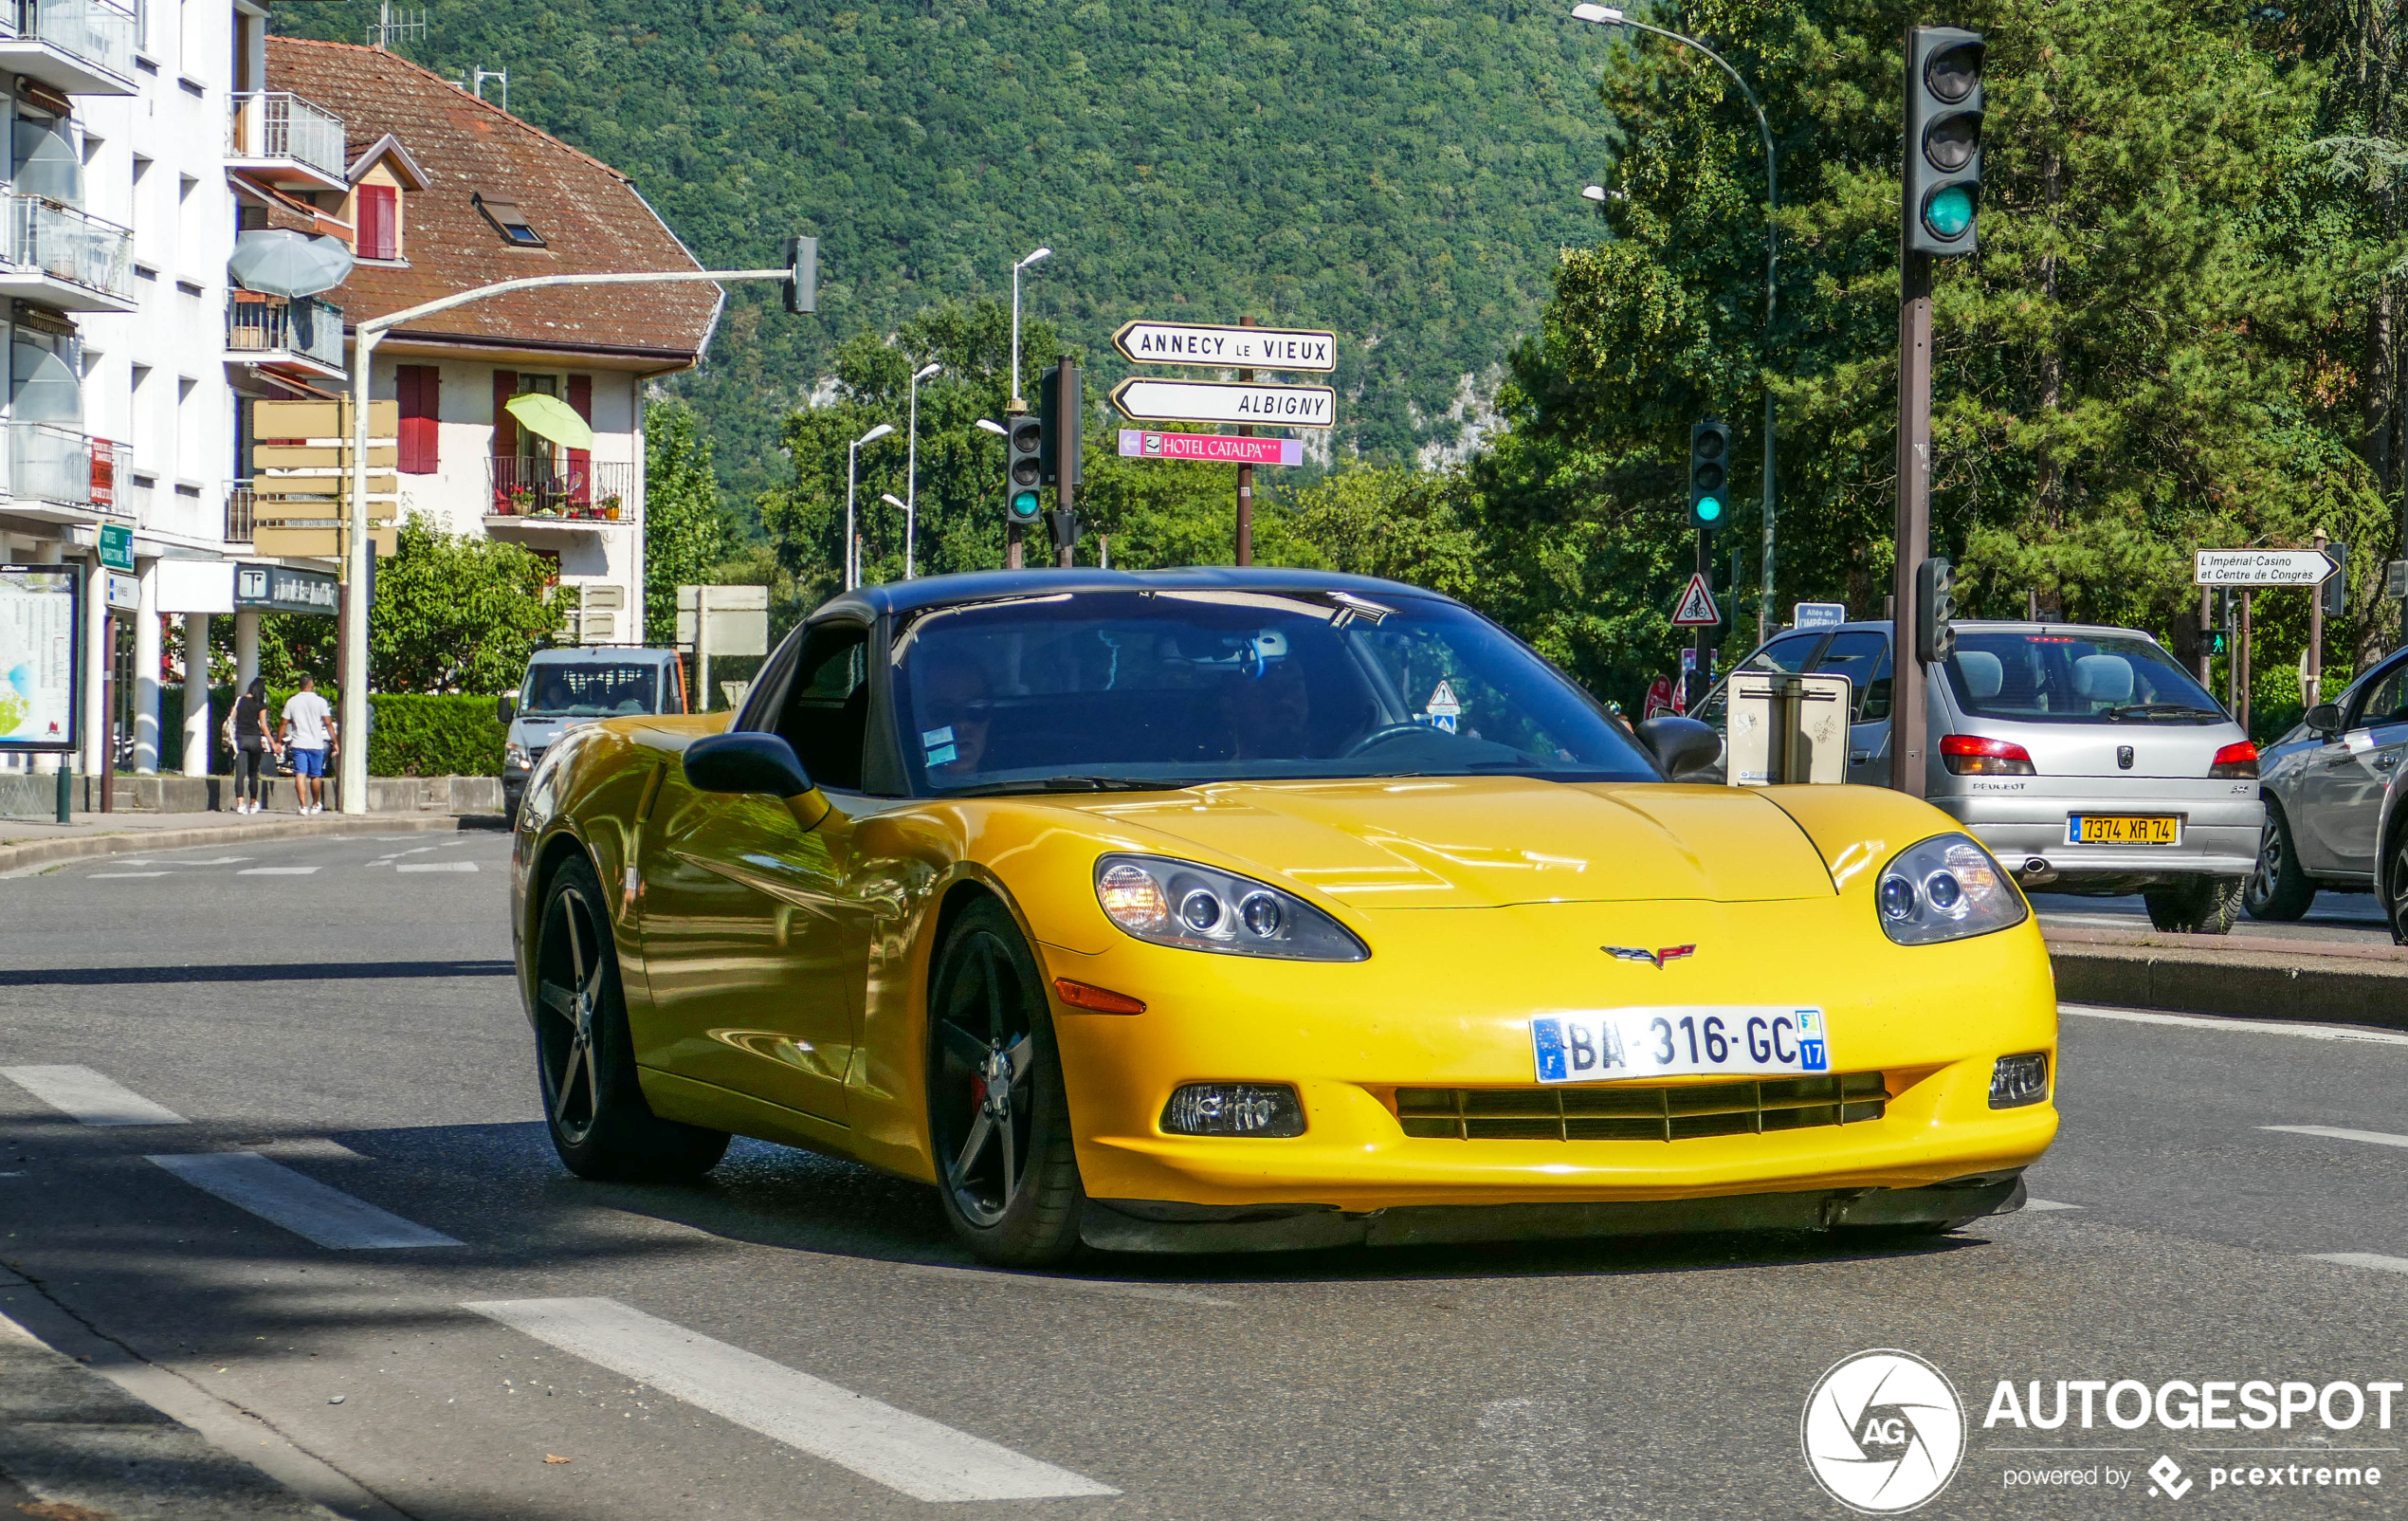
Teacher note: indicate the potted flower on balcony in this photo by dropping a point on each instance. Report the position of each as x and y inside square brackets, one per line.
[609, 508]
[521, 501]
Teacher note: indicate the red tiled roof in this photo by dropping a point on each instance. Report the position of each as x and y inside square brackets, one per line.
[588, 214]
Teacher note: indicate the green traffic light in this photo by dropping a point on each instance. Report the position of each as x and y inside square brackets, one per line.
[1024, 505]
[1949, 210]
[1709, 509]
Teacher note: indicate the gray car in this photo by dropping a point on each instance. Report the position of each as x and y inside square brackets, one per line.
[571, 686]
[2086, 759]
[2332, 790]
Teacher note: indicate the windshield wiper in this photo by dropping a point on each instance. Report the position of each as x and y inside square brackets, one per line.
[2162, 710]
[988, 789]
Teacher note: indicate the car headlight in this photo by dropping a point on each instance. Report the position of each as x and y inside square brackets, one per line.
[514, 755]
[1947, 888]
[1167, 902]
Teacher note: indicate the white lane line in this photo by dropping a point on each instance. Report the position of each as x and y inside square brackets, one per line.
[302, 1206]
[88, 1096]
[436, 866]
[2361, 1260]
[120, 877]
[2331, 1133]
[2247, 1027]
[975, 1277]
[2047, 1204]
[905, 1451]
[276, 871]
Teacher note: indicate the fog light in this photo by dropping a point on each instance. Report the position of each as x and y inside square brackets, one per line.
[2019, 1080]
[1234, 1108]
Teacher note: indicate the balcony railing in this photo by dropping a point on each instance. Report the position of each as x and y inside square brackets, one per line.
[537, 490]
[279, 124]
[239, 523]
[98, 34]
[67, 245]
[47, 463]
[285, 325]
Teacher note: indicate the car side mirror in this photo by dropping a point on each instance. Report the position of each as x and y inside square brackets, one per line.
[2324, 718]
[505, 709]
[1679, 744]
[746, 762]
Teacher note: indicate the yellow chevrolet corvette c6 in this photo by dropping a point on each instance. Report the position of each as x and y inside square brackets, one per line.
[1238, 909]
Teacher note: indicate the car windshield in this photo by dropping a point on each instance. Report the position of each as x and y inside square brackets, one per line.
[1175, 688]
[2037, 677]
[590, 689]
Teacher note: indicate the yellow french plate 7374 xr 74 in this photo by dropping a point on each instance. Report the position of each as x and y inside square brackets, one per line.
[1235, 910]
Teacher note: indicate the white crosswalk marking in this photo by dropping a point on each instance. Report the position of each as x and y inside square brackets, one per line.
[2361, 1260]
[88, 1096]
[276, 871]
[436, 866]
[303, 1205]
[2046, 1204]
[121, 876]
[2370, 1137]
[905, 1451]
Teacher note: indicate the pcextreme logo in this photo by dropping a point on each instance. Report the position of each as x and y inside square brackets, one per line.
[1883, 1432]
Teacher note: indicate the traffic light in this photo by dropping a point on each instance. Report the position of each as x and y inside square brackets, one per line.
[1061, 417]
[1943, 139]
[802, 287]
[1024, 472]
[2335, 592]
[1709, 456]
[1935, 610]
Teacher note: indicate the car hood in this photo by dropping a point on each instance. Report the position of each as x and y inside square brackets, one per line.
[1487, 842]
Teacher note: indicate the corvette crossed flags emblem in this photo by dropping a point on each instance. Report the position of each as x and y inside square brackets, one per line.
[1655, 958]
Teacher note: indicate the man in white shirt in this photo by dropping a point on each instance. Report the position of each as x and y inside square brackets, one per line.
[310, 732]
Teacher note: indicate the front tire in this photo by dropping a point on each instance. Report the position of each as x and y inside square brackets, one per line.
[2202, 906]
[998, 1119]
[2279, 891]
[585, 1058]
[2397, 909]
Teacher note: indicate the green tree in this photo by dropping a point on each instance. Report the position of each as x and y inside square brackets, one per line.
[456, 614]
[685, 529]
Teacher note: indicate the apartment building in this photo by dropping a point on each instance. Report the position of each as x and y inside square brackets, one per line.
[135, 133]
[444, 192]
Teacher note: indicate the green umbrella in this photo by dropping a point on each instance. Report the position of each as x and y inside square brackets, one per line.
[550, 417]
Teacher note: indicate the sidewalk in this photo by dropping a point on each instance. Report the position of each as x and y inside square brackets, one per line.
[2252, 977]
[28, 844]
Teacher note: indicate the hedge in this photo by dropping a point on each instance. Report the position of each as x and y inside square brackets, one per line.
[408, 735]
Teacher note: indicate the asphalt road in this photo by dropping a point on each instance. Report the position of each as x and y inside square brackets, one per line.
[341, 1008]
[2349, 918]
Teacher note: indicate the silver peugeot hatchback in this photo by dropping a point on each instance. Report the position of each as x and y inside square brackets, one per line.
[2086, 759]
[2336, 806]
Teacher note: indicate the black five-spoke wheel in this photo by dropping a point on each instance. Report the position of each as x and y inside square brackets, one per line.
[997, 1122]
[585, 1058]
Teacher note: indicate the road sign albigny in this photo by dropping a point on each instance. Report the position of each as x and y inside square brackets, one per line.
[1235, 348]
[1217, 449]
[1226, 401]
[1697, 609]
[2263, 567]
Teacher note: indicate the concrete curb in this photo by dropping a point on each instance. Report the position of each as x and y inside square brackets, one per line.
[82, 1446]
[15, 858]
[2244, 984]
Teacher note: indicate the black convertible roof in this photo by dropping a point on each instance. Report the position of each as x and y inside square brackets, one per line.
[981, 586]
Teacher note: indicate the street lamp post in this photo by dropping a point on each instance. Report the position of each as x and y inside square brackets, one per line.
[911, 466]
[852, 472]
[1038, 257]
[904, 507]
[1607, 16]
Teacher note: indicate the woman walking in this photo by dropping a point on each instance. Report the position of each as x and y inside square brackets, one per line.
[253, 739]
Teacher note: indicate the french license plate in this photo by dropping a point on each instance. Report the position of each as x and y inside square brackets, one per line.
[1722, 1040]
[2123, 829]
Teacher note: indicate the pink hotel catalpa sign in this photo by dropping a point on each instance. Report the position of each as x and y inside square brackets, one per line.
[1220, 449]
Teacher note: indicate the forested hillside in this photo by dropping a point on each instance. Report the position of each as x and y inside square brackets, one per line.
[1400, 171]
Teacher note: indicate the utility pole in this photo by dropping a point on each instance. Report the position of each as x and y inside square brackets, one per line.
[2314, 687]
[1246, 484]
[1910, 700]
[2241, 672]
[1067, 446]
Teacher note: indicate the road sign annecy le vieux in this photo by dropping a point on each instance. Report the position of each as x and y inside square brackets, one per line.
[1232, 348]
[2263, 567]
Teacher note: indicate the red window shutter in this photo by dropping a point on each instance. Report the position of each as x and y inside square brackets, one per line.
[379, 222]
[580, 460]
[505, 438]
[421, 389]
